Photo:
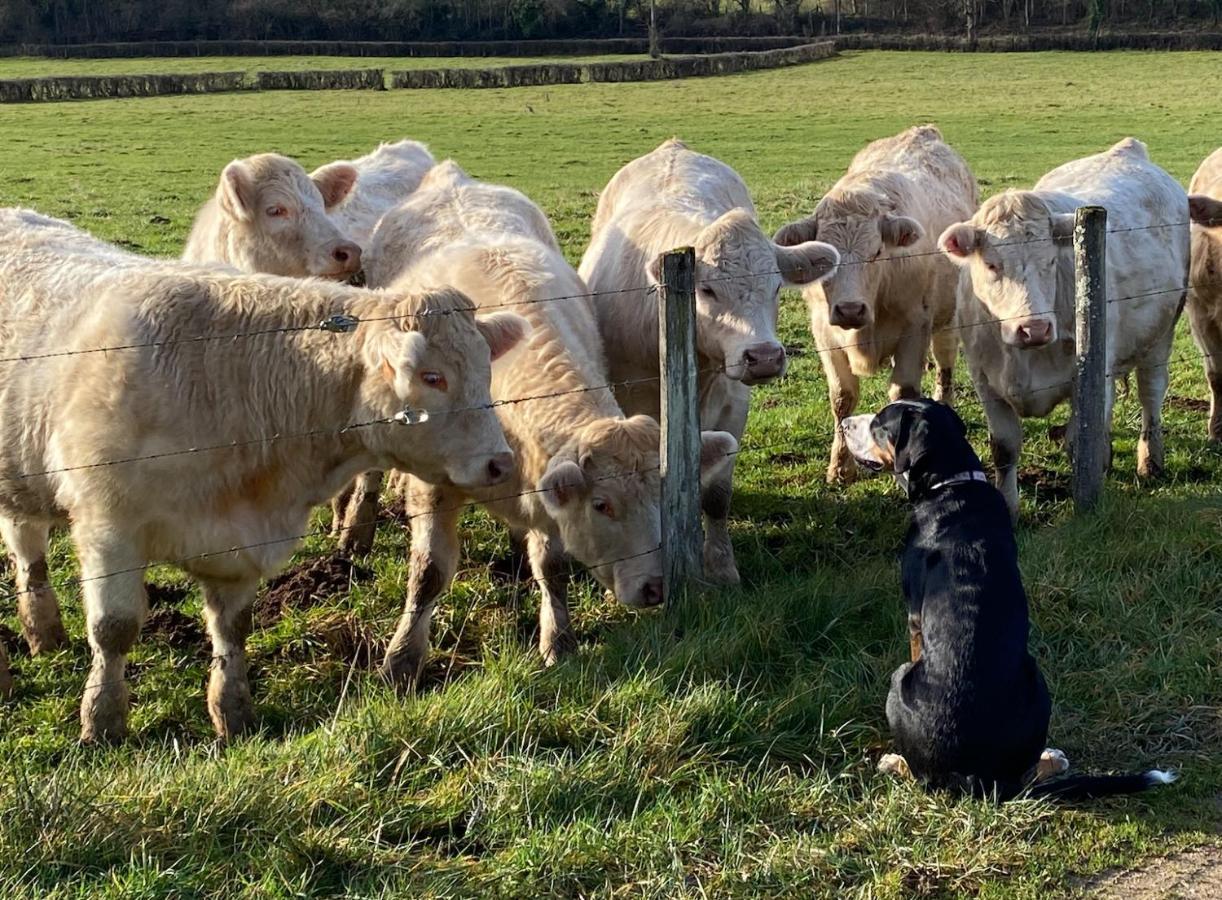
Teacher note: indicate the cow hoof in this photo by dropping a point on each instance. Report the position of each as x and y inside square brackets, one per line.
[1148, 466]
[895, 765]
[842, 474]
[562, 644]
[46, 639]
[1052, 762]
[401, 670]
[232, 710]
[719, 568]
[104, 715]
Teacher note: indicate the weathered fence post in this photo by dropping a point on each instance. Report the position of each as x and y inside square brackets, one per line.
[1092, 439]
[682, 534]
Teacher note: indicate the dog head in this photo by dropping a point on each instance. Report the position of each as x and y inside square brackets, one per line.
[920, 442]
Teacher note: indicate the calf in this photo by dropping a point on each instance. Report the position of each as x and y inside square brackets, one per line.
[385, 178]
[671, 198]
[892, 294]
[1016, 295]
[1205, 282]
[587, 482]
[283, 414]
[268, 215]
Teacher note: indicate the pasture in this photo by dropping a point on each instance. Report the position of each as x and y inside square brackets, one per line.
[727, 754]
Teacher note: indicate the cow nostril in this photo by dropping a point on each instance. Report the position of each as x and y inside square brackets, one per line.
[750, 358]
[651, 593]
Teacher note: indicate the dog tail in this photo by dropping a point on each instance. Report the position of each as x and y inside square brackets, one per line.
[1086, 787]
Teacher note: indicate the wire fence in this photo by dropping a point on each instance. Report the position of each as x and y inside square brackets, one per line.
[342, 323]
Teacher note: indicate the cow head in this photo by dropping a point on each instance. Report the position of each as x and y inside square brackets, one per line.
[739, 273]
[430, 363]
[1205, 211]
[603, 491]
[866, 231]
[276, 217]
[1014, 249]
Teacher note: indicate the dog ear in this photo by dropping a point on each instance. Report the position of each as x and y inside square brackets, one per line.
[902, 424]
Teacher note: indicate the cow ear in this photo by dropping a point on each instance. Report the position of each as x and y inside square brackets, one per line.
[563, 482]
[236, 191]
[807, 262]
[653, 271]
[798, 232]
[502, 331]
[1205, 211]
[395, 354]
[900, 231]
[334, 182]
[1062, 227]
[717, 449]
[960, 241]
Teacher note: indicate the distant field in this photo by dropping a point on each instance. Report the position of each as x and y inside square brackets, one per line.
[736, 758]
[37, 67]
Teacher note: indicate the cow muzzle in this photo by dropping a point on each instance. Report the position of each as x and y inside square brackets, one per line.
[763, 362]
[1037, 331]
[850, 314]
[492, 469]
[343, 260]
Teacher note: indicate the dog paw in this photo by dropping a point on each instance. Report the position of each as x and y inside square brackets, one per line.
[894, 764]
[1052, 762]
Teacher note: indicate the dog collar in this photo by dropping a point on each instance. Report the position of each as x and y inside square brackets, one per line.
[974, 475]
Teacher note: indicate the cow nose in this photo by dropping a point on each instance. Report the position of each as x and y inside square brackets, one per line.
[347, 255]
[499, 467]
[764, 360]
[1034, 332]
[849, 315]
[651, 592]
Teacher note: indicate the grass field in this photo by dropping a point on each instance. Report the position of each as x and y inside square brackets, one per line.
[37, 67]
[733, 755]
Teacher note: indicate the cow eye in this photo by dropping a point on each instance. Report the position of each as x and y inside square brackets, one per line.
[603, 507]
[277, 212]
[707, 293]
[993, 267]
[435, 380]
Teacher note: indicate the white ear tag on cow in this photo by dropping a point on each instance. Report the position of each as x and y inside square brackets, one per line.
[340, 323]
[409, 416]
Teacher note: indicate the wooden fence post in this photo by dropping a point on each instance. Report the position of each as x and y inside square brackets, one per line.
[682, 533]
[1092, 437]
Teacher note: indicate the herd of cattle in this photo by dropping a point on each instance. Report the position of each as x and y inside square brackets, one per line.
[197, 411]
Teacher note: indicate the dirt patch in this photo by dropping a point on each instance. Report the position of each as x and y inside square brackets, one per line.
[1191, 875]
[165, 594]
[788, 459]
[346, 637]
[1191, 404]
[171, 626]
[307, 585]
[1048, 486]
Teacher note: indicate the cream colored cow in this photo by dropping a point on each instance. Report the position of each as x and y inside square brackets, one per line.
[587, 482]
[892, 294]
[674, 197]
[268, 215]
[1016, 295]
[241, 436]
[1205, 280]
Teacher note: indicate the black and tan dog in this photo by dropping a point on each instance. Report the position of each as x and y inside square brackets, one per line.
[970, 712]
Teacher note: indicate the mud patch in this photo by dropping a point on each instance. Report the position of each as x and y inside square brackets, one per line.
[1044, 485]
[168, 625]
[166, 594]
[788, 459]
[1189, 404]
[1191, 875]
[307, 585]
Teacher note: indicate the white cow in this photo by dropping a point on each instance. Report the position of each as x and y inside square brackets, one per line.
[1205, 283]
[892, 291]
[268, 215]
[241, 435]
[1016, 294]
[674, 197]
[587, 482]
[385, 178]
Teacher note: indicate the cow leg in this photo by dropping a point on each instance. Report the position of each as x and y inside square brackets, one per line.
[716, 492]
[339, 504]
[227, 613]
[844, 389]
[1152, 384]
[36, 604]
[1208, 335]
[361, 515]
[1005, 441]
[112, 579]
[556, 638]
[945, 352]
[909, 363]
[434, 560]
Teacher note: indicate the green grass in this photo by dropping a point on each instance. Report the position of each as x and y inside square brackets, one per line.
[732, 756]
[37, 67]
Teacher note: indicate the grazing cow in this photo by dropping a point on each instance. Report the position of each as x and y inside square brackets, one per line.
[1205, 283]
[671, 198]
[242, 435]
[385, 178]
[892, 293]
[587, 483]
[1016, 295]
[268, 215]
